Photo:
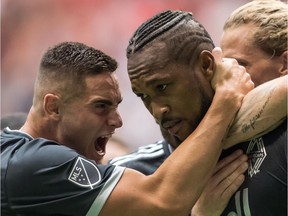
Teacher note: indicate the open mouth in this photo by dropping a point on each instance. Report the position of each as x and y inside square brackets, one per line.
[101, 142]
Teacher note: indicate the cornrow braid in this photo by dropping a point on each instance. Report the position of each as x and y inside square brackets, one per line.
[183, 35]
[154, 27]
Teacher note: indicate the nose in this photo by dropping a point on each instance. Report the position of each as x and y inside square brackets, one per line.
[115, 119]
[158, 110]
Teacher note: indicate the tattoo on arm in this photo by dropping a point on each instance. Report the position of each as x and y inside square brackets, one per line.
[251, 124]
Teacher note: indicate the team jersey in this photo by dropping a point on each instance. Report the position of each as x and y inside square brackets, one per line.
[146, 159]
[264, 191]
[42, 177]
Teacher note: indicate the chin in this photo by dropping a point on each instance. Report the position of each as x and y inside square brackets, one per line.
[99, 162]
[99, 158]
[184, 136]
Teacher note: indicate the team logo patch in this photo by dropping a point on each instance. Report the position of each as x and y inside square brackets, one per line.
[85, 173]
[256, 153]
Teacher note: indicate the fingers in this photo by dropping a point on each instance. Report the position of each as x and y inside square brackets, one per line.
[229, 185]
[228, 159]
[222, 185]
[228, 73]
[232, 188]
[228, 169]
[247, 79]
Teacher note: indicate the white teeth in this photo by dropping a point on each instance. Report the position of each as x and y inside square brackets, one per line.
[106, 136]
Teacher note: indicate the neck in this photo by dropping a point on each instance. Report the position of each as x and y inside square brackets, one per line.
[37, 125]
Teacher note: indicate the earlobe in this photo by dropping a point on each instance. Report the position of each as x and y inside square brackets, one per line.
[207, 64]
[51, 105]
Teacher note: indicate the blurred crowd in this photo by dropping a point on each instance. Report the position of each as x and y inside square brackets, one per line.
[29, 27]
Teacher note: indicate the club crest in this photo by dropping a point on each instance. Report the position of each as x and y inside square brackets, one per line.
[256, 153]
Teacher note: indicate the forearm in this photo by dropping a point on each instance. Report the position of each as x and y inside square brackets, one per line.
[191, 164]
[177, 184]
[226, 179]
[195, 158]
[262, 110]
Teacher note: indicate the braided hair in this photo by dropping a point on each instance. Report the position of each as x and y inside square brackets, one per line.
[183, 35]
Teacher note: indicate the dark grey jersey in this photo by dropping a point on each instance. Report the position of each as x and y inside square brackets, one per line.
[146, 159]
[41, 177]
[264, 191]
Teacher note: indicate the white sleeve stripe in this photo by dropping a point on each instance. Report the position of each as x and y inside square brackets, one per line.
[105, 192]
[138, 156]
[148, 150]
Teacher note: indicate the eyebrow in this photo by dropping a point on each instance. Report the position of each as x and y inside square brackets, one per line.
[157, 79]
[153, 80]
[242, 60]
[104, 101]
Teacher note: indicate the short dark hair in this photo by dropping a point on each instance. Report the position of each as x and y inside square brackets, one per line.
[75, 56]
[67, 64]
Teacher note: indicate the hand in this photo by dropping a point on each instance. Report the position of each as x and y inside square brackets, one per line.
[230, 80]
[225, 181]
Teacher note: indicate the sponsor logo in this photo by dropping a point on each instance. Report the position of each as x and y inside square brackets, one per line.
[85, 173]
[256, 153]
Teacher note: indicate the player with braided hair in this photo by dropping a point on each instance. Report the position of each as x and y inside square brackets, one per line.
[52, 164]
[169, 66]
[168, 24]
[55, 157]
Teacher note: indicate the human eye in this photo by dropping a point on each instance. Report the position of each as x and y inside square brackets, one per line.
[242, 63]
[101, 108]
[161, 88]
[100, 105]
[142, 96]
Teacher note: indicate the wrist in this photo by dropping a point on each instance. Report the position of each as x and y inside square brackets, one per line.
[228, 101]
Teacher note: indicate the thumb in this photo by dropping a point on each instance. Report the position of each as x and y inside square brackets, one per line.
[218, 61]
[217, 54]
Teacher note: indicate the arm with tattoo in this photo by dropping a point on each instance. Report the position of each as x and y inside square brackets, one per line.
[262, 110]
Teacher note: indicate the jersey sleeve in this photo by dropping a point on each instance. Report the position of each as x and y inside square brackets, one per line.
[43, 178]
[146, 159]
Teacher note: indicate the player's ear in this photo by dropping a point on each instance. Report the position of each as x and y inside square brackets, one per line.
[284, 62]
[51, 105]
[207, 64]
